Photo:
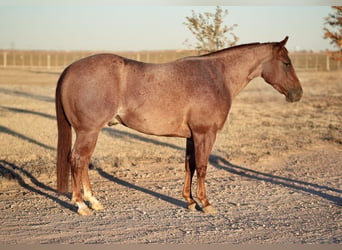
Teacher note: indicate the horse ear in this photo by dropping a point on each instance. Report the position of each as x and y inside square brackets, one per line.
[283, 43]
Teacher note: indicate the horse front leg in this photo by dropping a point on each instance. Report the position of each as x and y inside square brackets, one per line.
[190, 166]
[203, 146]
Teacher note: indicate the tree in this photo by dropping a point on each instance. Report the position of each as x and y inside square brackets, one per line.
[209, 30]
[334, 33]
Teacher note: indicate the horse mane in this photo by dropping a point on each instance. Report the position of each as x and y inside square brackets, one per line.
[242, 46]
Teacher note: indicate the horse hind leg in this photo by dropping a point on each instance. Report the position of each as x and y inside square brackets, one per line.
[84, 147]
[88, 193]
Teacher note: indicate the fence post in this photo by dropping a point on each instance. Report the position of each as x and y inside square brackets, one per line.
[316, 62]
[48, 58]
[5, 59]
[31, 60]
[22, 61]
[328, 63]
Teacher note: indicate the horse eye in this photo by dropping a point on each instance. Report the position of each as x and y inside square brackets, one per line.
[287, 64]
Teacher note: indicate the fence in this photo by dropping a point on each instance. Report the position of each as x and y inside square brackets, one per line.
[314, 62]
[60, 59]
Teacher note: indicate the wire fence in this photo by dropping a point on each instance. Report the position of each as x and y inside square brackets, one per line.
[60, 59]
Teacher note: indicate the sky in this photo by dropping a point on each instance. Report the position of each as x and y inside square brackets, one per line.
[117, 26]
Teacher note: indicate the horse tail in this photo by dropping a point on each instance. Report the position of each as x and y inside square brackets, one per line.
[64, 142]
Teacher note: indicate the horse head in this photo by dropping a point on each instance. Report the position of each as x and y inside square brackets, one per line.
[279, 72]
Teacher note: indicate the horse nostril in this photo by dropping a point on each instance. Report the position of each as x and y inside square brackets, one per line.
[294, 95]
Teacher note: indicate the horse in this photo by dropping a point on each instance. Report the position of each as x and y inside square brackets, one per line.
[188, 98]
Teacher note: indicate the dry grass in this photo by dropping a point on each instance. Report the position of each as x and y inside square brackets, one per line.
[275, 171]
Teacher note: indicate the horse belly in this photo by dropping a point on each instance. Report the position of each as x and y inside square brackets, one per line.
[156, 123]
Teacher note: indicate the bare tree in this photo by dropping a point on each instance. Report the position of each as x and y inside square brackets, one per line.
[334, 32]
[210, 31]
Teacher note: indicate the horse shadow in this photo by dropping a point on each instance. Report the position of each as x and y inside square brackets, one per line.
[127, 184]
[11, 171]
[223, 164]
[307, 187]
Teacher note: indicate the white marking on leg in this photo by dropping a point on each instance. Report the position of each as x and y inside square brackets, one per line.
[83, 209]
[94, 203]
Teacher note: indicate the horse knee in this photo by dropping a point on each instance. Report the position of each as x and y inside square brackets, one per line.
[74, 160]
[78, 161]
[201, 171]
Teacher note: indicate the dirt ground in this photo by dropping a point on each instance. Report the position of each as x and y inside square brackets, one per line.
[275, 172]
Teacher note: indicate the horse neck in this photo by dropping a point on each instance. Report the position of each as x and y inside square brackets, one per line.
[244, 63]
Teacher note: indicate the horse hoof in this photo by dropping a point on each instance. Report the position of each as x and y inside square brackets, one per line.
[209, 210]
[84, 211]
[97, 206]
[192, 207]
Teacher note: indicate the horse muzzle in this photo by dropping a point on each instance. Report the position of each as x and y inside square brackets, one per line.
[294, 95]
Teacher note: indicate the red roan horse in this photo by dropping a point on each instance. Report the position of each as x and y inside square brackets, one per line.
[190, 98]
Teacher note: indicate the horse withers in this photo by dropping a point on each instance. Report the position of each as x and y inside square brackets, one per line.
[190, 98]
